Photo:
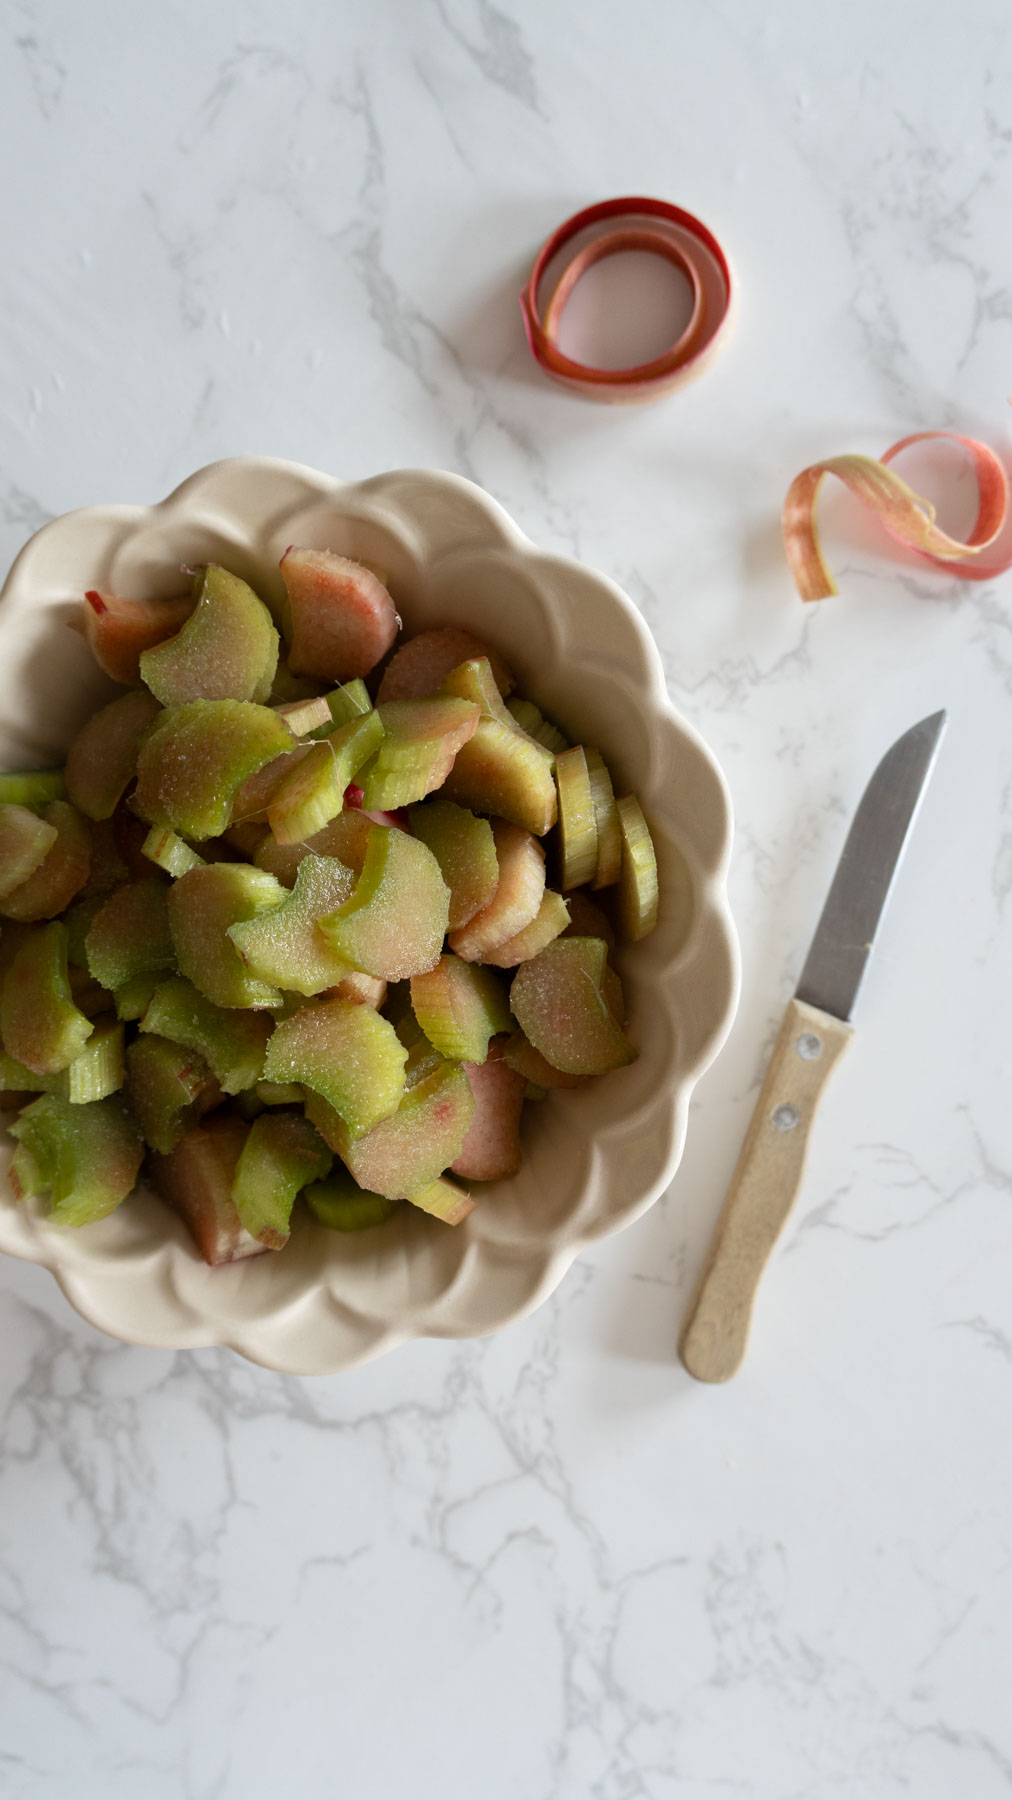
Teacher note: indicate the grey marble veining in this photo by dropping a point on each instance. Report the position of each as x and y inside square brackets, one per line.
[547, 1565]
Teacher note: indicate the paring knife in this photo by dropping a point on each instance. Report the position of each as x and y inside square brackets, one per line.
[815, 1032]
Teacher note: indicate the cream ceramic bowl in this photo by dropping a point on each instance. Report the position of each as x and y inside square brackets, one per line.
[595, 1158]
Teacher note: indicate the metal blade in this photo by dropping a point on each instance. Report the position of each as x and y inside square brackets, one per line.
[864, 875]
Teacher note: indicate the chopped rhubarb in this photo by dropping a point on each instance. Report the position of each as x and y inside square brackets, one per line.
[609, 833]
[638, 891]
[577, 818]
[587, 918]
[491, 1149]
[254, 795]
[98, 1070]
[535, 1068]
[464, 848]
[417, 753]
[503, 771]
[129, 935]
[560, 1003]
[197, 755]
[88, 1157]
[517, 898]
[164, 1081]
[119, 630]
[34, 787]
[169, 852]
[407, 1151]
[102, 760]
[282, 1153]
[25, 842]
[344, 704]
[341, 1205]
[309, 716]
[202, 906]
[444, 1200]
[345, 836]
[550, 921]
[62, 872]
[530, 719]
[313, 793]
[227, 649]
[39, 1023]
[459, 1007]
[420, 666]
[343, 620]
[395, 921]
[232, 1042]
[284, 944]
[196, 1180]
[348, 1054]
[360, 989]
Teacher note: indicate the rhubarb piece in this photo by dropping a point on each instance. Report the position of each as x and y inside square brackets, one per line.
[39, 1023]
[361, 989]
[342, 618]
[232, 1042]
[254, 795]
[245, 838]
[87, 994]
[459, 1007]
[109, 867]
[341, 1205]
[169, 852]
[129, 935]
[549, 922]
[395, 921]
[416, 755]
[530, 719]
[517, 898]
[502, 771]
[284, 945]
[348, 1054]
[60, 875]
[135, 996]
[197, 755]
[491, 1149]
[196, 1178]
[587, 918]
[119, 630]
[405, 1153]
[102, 760]
[282, 1153]
[609, 832]
[536, 1070]
[344, 704]
[308, 716]
[474, 680]
[637, 891]
[227, 649]
[98, 1070]
[16, 1078]
[25, 842]
[33, 787]
[420, 666]
[444, 1200]
[164, 1081]
[313, 793]
[464, 848]
[559, 1002]
[280, 1093]
[345, 837]
[288, 686]
[87, 1157]
[577, 820]
[203, 905]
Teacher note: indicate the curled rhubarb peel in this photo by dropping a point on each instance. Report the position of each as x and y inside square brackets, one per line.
[907, 517]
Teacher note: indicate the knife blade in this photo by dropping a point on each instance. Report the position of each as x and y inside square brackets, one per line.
[815, 1032]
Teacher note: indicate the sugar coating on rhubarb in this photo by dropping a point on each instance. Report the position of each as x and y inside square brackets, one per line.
[226, 650]
[284, 944]
[395, 921]
[560, 1002]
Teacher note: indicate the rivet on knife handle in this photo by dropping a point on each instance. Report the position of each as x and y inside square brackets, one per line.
[763, 1190]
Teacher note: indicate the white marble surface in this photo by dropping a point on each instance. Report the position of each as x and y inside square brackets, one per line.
[548, 1566]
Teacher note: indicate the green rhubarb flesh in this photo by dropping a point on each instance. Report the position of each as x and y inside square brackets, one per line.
[169, 852]
[459, 1008]
[606, 816]
[637, 888]
[196, 756]
[348, 1054]
[102, 760]
[577, 818]
[87, 1156]
[464, 848]
[130, 935]
[39, 1023]
[560, 1001]
[345, 703]
[313, 792]
[25, 842]
[443, 1199]
[409, 1150]
[202, 907]
[33, 787]
[285, 945]
[530, 719]
[98, 1070]
[62, 872]
[502, 771]
[550, 920]
[281, 1155]
[163, 1082]
[227, 649]
[416, 755]
[395, 921]
[341, 1205]
[232, 1042]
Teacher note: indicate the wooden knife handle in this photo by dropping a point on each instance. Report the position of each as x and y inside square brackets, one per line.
[764, 1187]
